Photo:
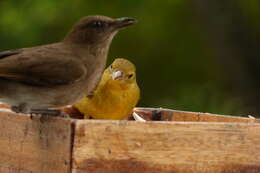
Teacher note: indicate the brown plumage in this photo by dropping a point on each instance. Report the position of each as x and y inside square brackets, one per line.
[47, 76]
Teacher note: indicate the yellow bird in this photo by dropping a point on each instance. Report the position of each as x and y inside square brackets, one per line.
[116, 95]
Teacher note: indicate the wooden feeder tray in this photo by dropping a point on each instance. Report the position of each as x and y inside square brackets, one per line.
[178, 142]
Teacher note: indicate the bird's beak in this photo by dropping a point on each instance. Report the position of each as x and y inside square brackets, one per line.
[124, 21]
[117, 75]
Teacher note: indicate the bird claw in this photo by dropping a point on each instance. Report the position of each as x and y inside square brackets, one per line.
[64, 115]
[22, 108]
[49, 112]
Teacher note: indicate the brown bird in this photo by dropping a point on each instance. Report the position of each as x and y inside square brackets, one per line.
[33, 80]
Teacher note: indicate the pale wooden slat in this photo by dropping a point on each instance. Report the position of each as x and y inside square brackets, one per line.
[29, 145]
[176, 115]
[166, 147]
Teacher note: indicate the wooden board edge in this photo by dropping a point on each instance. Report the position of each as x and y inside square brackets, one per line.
[163, 114]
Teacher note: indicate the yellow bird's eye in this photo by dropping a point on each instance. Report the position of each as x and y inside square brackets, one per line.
[130, 76]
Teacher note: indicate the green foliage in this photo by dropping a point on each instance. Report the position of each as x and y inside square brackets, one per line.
[175, 65]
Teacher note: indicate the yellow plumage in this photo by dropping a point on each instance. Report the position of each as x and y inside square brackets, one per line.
[116, 95]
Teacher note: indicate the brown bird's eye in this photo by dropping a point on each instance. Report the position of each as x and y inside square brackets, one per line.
[111, 66]
[130, 76]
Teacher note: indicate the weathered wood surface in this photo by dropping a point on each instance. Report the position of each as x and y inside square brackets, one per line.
[166, 147]
[33, 145]
[161, 114]
[205, 143]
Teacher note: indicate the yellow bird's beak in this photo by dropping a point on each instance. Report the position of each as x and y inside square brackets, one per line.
[117, 75]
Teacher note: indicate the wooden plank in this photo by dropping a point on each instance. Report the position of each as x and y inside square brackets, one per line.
[161, 114]
[165, 147]
[33, 145]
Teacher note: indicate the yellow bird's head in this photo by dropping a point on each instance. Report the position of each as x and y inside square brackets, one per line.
[121, 72]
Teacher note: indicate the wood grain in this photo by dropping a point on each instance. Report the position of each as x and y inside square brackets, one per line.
[34, 145]
[166, 147]
[199, 143]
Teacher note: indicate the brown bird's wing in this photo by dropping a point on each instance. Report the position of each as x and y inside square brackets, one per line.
[41, 66]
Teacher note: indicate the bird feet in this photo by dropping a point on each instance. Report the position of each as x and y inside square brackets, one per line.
[49, 112]
[23, 108]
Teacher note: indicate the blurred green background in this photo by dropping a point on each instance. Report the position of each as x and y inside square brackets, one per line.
[194, 55]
